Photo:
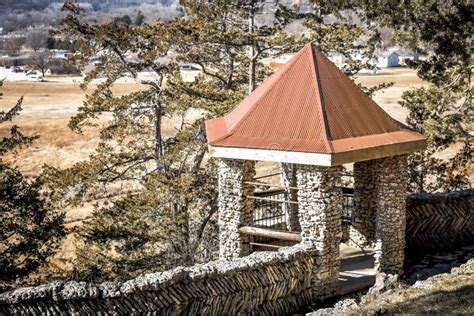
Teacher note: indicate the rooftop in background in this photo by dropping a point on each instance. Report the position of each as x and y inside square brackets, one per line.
[309, 112]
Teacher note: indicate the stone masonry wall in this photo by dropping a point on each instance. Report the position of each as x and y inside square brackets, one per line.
[263, 283]
[288, 180]
[320, 209]
[392, 184]
[362, 230]
[235, 210]
[440, 221]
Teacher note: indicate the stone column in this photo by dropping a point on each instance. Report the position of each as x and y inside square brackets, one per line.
[288, 180]
[392, 184]
[235, 210]
[362, 231]
[320, 211]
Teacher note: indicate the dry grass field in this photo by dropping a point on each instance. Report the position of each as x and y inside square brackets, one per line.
[48, 106]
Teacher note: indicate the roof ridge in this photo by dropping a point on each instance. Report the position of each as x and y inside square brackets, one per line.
[252, 108]
[322, 105]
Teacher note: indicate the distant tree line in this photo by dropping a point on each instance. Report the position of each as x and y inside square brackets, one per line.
[22, 14]
[138, 19]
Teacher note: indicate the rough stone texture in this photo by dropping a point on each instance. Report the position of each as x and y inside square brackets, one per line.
[341, 307]
[346, 231]
[320, 211]
[235, 210]
[392, 183]
[440, 221]
[362, 231]
[288, 180]
[264, 283]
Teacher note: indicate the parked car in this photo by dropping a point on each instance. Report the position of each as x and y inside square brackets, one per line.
[16, 69]
[36, 78]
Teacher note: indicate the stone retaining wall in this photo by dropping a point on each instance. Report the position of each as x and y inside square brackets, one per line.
[437, 221]
[264, 283]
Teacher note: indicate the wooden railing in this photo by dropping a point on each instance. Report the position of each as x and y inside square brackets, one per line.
[269, 230]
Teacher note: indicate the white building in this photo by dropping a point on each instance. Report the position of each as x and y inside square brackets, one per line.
[388, 59]
[408, 55]
[338, 59]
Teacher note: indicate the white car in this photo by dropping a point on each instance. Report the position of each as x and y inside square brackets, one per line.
[36, 78]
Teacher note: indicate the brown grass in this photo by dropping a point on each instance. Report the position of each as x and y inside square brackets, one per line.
[57, 146]
[444, 294]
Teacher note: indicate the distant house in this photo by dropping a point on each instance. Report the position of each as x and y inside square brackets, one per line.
[388, 59]
[406, 54]
[188, 67]
[63, 54]
[276, 62]
[17, 60]
[338, 59]
[189, 72]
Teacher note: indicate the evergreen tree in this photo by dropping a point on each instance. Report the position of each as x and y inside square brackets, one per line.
[139, 18]
[443, 111]
[164, 212]
[29, 232]
[337, 28]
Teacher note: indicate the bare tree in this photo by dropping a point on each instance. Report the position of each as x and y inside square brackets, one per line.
[42, 60]
[13, 45]
[36, 39]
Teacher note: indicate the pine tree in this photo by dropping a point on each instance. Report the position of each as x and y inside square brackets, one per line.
[29, 232]
[443, 111]
[163, 215]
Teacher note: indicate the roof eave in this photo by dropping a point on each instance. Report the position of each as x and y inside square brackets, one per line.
[318, 159]
[283, 156]
[377, 152]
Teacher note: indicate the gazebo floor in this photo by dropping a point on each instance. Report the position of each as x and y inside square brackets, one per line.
[357, 269]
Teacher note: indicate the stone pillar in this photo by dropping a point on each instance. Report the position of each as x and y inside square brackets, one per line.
[362, 231]
[288, 180]
[320, 211]
[392, 184]
[235, 210]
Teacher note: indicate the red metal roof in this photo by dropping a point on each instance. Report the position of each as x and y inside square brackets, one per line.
[308, 106]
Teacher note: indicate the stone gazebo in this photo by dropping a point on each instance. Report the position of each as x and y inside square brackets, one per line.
[312, 118]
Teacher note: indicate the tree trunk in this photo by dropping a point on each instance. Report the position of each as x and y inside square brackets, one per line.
[251, 49]
[158, 140]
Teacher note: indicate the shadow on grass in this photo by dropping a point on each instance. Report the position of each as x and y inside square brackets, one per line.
[457, 302]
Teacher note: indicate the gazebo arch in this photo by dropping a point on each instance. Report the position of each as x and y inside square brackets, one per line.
[312, 118]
